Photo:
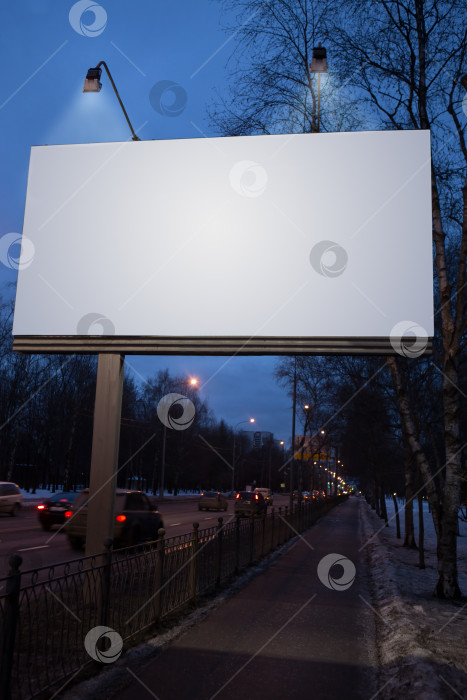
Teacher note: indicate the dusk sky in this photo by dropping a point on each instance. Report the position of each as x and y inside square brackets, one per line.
[48, 50]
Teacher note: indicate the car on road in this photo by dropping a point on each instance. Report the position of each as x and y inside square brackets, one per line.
[51, 511]
[305, 495]
[135, 519]
[249, 503]
[11, 498]
[212, 500]
[267, 495]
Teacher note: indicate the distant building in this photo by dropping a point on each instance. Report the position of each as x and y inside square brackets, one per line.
[257, 438]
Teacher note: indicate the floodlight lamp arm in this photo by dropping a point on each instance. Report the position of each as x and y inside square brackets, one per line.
[103, 63]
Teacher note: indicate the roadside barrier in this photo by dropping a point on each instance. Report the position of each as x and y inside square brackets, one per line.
[46, 614]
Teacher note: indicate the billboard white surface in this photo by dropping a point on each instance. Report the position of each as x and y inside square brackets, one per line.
[288, 236]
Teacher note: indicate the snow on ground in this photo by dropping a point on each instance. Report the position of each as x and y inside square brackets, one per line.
[422, 640]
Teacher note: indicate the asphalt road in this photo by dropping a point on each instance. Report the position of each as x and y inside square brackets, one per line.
[284, 636]
[23, 534]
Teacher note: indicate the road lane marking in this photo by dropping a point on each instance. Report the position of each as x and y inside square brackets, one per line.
[29, 549]
[173, 524]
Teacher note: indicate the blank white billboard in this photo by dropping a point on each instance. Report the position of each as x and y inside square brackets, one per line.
[289, 236]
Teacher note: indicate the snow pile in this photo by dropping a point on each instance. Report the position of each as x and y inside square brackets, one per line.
[422, 649]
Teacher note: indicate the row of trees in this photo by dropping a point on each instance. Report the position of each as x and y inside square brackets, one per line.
[394, 64]
[46, 423]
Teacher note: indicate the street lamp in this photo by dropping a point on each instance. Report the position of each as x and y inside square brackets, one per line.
[319, 65]
[93, 83]
[306, 409]
[250, 420]
[194, 383]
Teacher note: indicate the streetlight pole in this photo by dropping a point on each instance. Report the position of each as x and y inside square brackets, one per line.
[294, 409]
[193, 382]
[250, 420]
[319, 65]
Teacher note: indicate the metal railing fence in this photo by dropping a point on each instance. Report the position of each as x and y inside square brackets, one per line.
[46, 613]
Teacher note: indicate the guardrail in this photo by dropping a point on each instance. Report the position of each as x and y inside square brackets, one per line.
[46, 613]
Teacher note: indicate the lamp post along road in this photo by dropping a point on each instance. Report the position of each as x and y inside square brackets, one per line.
[250, 420]
[294, 410]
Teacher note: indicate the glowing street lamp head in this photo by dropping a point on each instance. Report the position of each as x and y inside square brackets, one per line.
[252, 420]
[193, 381]
[92, 81]
[319, 62]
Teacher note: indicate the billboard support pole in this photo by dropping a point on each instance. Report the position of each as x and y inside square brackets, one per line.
[104, 458]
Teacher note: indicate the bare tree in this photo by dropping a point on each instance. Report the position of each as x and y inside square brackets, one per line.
[405, 57]
[271, 88]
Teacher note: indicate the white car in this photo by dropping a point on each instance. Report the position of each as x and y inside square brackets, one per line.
[11, 498]
[266, 494]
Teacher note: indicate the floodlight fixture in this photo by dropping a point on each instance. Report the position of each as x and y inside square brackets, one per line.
[92, 81]
[319, 62]
[92, 84]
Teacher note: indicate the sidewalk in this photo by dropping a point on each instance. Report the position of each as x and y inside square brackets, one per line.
[285, 635]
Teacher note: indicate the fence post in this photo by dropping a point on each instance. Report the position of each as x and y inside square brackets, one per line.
[194, 562]
[10, 621]
[287, 530]
[272, 530]
[219, 550]
[159, 577]
[279, 540]
[237, 543]
[252, 536]
[263, 533]
[106, 575]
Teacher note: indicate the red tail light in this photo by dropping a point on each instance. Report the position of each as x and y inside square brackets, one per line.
[121, 518]
[68, 513]
[40, 507]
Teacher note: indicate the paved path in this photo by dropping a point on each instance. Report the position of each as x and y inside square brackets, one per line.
[285, 635]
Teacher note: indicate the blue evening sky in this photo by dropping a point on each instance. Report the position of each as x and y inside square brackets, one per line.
[45, 53]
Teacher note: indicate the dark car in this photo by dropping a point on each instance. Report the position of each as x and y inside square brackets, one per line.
[135, 519]
[249, 503]
[212, 500]
[52, 510]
